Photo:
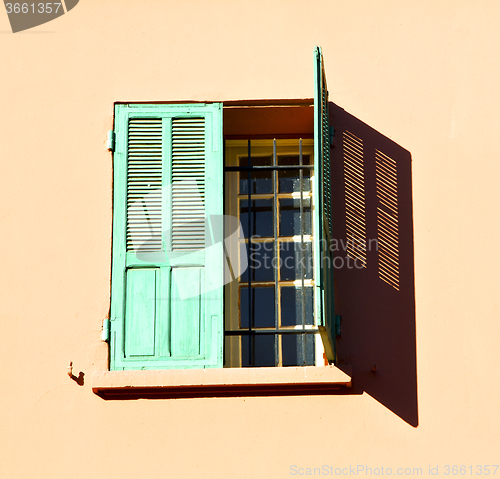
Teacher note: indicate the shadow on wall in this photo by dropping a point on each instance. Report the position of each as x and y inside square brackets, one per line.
[372, 203]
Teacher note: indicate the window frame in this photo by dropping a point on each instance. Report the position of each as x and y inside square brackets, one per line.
[234, 334]
[247, 381]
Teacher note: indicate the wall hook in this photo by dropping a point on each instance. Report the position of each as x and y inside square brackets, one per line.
[78, 379]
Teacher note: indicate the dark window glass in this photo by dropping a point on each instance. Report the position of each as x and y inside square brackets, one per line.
[262, 307]
[260, 261]
[262, 217]
[291, 306]
[293, 349]
[262, 350]
[290, 160]
[261, 182]
[290, 216]
[293, 257]
[289, 180]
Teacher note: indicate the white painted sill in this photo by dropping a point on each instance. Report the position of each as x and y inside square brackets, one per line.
[225, 382]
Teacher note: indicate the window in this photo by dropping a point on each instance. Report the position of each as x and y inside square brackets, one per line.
[270, 318]
[171, 259]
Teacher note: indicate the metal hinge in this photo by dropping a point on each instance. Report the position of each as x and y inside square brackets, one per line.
[110, 141]
[106, 328]
[338, 320]
[332, 136]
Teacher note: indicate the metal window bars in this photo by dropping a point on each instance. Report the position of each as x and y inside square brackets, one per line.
[301, 332]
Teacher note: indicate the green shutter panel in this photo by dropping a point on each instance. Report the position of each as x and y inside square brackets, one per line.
[167, 273]
[323, 234]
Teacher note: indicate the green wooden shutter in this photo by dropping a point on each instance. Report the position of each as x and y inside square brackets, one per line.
[167, 273]
[323, 234]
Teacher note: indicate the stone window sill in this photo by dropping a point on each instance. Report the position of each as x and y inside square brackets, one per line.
[226, 382]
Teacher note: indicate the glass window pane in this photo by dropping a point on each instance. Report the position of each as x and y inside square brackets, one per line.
[290, 220]
[288, 160]
[262, 350]
[293, 349]
[257, 160]
[295, 257]
[262, 218]
[289, 181]
[260, 261]
[292, 299]
[261, 182]
[262, 307]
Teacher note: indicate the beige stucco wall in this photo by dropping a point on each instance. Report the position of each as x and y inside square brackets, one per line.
[424, 74]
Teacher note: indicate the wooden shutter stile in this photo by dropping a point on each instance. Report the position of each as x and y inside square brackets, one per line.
[323, 227]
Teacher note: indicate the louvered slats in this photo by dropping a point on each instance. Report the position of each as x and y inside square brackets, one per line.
[144, 181]
[325, 147]
[188, 183]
